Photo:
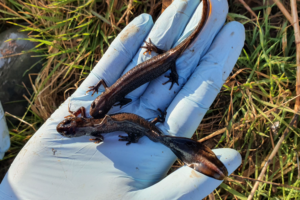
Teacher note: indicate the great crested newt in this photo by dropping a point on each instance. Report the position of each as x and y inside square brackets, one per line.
[143, 72]
[194, 154]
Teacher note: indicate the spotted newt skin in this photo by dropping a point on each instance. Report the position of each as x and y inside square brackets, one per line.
[194, 154]
[143, 73]
[134, 125]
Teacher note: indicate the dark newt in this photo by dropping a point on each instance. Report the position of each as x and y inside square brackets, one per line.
[78, 126]
[143, 73]
[194, 154]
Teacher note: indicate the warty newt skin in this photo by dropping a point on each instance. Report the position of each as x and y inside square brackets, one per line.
[194, 154]
[143, 73]
[127, 122]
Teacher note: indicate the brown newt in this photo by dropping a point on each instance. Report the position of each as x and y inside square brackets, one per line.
[194, 154]
[78, 126]
[143, 73]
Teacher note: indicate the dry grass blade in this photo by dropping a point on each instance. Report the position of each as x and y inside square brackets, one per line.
[17, 14]
[26, 88]
[21, 120]
[268, 182]
[211, 196]
[284, 11]
[275, 150]
[105, 20]
[297, 38]
[218, 132]
[17, 54]
[128, 11]
[248, 8]
[298, 165]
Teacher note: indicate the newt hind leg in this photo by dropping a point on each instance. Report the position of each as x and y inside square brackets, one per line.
[160, 118]
[131, 138]
[123, 102]
[98, 139]
[96, 87]
[173, 77]
[151, 47]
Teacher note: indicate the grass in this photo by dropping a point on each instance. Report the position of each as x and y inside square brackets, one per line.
[259, 93]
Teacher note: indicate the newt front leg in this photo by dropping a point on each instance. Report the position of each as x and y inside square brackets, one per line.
[151, 47]
[96, 87]
[80, 110]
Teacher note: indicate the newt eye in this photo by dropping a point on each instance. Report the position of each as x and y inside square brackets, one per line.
[100, 111]
[67, 122]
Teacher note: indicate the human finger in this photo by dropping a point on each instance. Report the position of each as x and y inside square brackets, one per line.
[187, 62]
[119, 54]
[165, 32]
[190, 105]
[186, 183]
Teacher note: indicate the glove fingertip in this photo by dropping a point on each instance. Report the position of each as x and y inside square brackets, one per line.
[186, 183]
[231, 158]
[120, 52]
[135, 31]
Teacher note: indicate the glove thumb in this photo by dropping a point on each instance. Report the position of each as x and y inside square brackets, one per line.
[186, 183]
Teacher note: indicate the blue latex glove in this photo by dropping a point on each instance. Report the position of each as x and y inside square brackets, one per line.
[54, 167]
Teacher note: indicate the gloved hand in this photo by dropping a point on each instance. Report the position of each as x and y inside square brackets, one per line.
[51, 166]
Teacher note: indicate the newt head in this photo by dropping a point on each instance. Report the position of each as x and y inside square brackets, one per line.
[70, 127]
[99, 107]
